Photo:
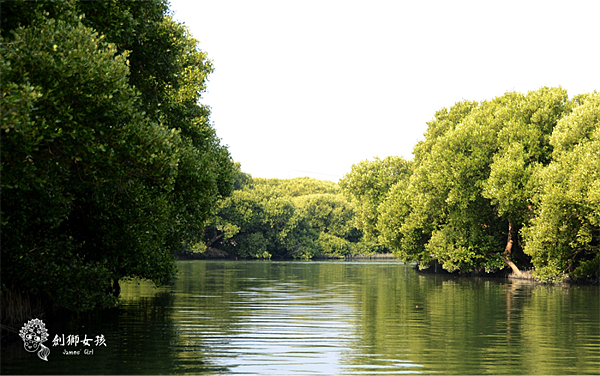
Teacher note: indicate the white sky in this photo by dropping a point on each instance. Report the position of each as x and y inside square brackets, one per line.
[309, 88]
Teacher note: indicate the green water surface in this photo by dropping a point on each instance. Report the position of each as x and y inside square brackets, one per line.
[328, 318]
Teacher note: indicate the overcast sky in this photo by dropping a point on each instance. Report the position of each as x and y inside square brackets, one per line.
[309, 88]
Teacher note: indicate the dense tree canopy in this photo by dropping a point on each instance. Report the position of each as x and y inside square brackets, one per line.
[507, 182]
[291, 218]
[109, 163]
[368, 184]
[564, 234]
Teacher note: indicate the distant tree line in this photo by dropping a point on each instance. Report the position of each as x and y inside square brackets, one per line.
[510, 182]
[297, 218]
[109, 162]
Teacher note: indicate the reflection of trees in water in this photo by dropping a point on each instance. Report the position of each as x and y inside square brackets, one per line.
[422, 319]
[476, 325]
[138, 334]
[516, 294]
[138, 337]
[560, 329]
[463, 324]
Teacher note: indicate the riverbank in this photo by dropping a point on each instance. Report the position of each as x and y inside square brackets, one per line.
[369, 256]
[217, 254]
[209, 254]
[525, 275]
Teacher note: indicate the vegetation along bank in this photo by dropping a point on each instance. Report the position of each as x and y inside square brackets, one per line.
[109, 163]
[511, 182]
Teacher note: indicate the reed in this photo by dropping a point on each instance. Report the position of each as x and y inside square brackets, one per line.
[17, 308]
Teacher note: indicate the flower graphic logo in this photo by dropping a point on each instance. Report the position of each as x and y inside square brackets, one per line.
[34, 332]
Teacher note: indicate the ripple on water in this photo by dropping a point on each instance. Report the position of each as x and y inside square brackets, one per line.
[284, 329]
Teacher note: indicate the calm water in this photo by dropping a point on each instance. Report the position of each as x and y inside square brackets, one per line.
[331, 318]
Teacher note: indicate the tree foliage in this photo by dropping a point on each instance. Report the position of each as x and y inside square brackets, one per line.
[108, 161]
[367, 185]
[506, 182]
[299, 218]
[564, 235]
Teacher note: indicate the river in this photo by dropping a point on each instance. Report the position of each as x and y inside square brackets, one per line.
[326, 318]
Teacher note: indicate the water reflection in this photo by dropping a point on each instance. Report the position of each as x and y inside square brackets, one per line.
[339, 318]
[283, 318]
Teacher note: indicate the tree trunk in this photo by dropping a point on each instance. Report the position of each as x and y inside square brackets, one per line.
[512, 236]
[116, 288]
[214, 239]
